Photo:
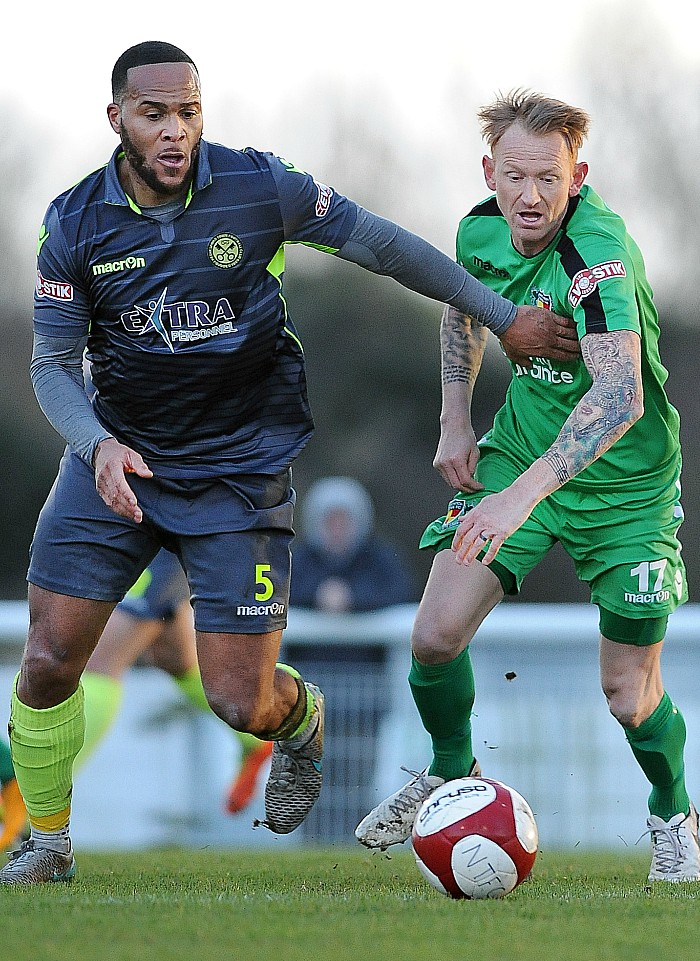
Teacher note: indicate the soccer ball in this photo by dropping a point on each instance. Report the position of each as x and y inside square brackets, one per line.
[475, 838]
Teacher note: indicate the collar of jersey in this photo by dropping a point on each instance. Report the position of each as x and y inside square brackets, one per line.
[115, 193]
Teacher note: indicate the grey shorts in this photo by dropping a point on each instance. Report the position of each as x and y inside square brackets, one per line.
[232, 536]
[159, 592]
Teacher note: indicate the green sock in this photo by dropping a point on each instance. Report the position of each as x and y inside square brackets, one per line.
[103, 697]
[658, 745]
[190, 683]
[44, 745]
[444, 696]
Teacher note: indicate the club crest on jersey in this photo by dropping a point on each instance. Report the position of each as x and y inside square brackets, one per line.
[538, 298]
[587, 280]
[225, 250]
[323, 202]
[53, 289]
[456, 510]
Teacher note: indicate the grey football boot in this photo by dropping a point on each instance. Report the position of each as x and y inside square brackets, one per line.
[32, 864]
[296, 775]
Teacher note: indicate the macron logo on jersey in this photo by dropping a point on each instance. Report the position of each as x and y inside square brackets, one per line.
[54, 289]
[115, 266]
[586, 280]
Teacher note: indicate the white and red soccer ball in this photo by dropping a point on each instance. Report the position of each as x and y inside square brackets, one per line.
[475, 838]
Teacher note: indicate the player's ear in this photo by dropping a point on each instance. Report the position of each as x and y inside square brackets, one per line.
[114, 115]
[580, 172]
[489, 169]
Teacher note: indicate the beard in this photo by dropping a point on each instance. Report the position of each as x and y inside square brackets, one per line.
[148, 175]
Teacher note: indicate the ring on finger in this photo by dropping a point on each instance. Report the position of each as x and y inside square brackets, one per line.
[484, 537]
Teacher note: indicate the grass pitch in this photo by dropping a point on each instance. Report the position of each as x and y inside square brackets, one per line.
[344, 904]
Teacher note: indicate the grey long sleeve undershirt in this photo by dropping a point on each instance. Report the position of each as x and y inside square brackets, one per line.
[385, 248]
[56, 371]
[374, 243]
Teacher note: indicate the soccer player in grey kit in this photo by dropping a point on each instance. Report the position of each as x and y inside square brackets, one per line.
[166, 265]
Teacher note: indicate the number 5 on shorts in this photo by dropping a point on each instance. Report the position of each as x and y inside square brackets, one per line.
[263, 581]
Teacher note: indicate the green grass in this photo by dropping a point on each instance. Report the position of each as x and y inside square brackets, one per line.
[344, 904]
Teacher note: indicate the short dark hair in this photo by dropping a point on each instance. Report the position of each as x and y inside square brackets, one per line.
[150, 51]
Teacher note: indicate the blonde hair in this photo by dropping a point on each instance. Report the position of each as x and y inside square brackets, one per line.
[537, 114]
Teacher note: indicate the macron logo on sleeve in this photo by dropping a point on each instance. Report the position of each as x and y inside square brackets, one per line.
[586, 280]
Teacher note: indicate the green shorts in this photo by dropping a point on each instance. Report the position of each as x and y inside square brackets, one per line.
[624, 545]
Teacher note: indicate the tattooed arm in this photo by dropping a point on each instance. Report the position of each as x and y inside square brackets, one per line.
[462, 345]
[606, 411]
[613, 403]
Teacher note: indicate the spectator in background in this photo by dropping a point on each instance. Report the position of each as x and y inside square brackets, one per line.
[339, 562]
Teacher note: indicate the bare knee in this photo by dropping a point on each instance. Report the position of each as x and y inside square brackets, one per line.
[236, 710]
[246, 709]
[455, 602]
[62, 634]
[630, 704]
[631, 681]
[437, 641]
[49, 673]
[243, 684]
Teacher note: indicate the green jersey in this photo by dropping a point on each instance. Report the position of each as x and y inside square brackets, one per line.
[594, 272]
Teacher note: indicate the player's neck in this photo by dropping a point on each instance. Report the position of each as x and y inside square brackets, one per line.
[141, 193]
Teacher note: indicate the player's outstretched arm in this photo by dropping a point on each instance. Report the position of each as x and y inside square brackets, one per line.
[385, 248]
[462, 345]
[614, 402]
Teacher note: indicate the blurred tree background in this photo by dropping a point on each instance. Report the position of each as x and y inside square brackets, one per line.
[372, 348]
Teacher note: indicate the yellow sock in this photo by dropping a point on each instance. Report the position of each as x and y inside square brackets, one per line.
[103, 696]
[44, 745]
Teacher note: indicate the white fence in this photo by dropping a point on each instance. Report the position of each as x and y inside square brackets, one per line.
[161, 775]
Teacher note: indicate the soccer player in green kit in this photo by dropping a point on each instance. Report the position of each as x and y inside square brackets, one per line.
[567, 434]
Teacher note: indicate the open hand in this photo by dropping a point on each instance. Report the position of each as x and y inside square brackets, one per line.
[112, 462]
[490, 523]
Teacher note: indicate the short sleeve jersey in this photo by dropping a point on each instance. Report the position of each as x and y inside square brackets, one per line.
[195, 361]
[591, 271]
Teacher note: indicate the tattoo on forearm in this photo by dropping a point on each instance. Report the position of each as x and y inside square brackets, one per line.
[453, 373]
[558, 465]
[606, 411]
[462, 345]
